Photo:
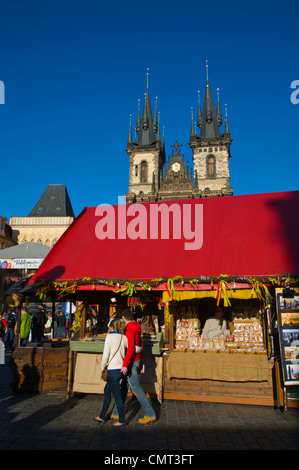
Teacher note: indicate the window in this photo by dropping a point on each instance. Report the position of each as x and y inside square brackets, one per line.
[211, 165]
[143, 172]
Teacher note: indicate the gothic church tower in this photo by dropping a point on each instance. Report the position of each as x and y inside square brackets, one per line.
[147, 155]
[211, 149]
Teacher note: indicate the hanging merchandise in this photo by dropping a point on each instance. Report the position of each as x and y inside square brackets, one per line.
[262, 292]
[222, 285]
[170, 288]
[128, 289]
[134, 302]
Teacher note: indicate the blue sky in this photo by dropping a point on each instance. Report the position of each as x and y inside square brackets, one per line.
[74, 70]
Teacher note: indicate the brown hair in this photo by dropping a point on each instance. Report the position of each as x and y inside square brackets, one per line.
[128, 314]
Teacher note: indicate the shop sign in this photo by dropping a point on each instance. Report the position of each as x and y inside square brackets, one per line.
[20, 263]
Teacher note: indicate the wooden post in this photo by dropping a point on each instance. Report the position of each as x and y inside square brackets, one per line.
[70, 374]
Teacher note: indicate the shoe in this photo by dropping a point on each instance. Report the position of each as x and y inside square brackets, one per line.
[146, 420]
[118, 425]
[98, 420]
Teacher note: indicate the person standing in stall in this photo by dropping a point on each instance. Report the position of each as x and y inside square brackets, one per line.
[217, 325]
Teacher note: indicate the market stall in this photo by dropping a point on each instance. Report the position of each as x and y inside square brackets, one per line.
[86, 355]
[231, 252]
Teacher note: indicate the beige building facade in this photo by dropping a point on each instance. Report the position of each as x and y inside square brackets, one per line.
[43, 230]
[48, 220]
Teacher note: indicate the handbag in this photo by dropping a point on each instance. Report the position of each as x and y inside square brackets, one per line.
[104, 374]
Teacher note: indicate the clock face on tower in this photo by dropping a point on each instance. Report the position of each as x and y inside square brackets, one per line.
[176, 167]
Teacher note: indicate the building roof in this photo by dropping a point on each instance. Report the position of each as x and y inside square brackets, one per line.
[25, 250]
[242, 236]
[54, 202]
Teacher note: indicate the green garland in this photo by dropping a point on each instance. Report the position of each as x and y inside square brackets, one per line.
[129, 287]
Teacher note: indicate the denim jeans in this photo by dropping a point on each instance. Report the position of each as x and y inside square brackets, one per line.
[117, 386]
[60, 332]
[137, 390]
[9, 337]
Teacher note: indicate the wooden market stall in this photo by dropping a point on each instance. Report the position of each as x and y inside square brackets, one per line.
[191, 255]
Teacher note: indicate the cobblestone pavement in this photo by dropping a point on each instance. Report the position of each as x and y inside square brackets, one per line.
[53, 422]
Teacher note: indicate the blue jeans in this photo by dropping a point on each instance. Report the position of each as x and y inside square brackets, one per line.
[9, 337]
[60, 332]
[137, 390]
[117, 386]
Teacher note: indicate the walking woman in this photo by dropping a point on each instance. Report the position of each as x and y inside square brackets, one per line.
[113, 356]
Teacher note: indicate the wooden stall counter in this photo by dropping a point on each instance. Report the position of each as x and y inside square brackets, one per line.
[220, 377]
[229, 367]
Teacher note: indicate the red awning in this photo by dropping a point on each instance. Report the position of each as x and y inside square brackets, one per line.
[242, 236]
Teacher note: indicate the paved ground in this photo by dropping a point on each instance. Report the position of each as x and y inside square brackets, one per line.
[51, 422]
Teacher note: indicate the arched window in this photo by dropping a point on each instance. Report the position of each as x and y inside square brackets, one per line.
[211, 165]
[143, 177]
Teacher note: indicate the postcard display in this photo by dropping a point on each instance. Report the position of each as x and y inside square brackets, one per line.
[287, 301]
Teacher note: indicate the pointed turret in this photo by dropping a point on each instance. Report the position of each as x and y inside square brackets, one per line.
[138, 126]
[199, 115]
[158, 137]
[219, 116]
[192, 132]
[130, 132]
[227, 131]
[155, 121]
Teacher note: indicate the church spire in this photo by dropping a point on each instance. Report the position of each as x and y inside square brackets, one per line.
[210, 124]
[147, 125]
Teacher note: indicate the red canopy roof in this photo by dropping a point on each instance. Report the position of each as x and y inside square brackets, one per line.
[242, 236]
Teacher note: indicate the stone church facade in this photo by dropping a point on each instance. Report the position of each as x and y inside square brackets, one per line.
[153, 177]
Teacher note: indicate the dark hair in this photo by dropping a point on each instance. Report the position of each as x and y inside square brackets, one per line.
[128, 314]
